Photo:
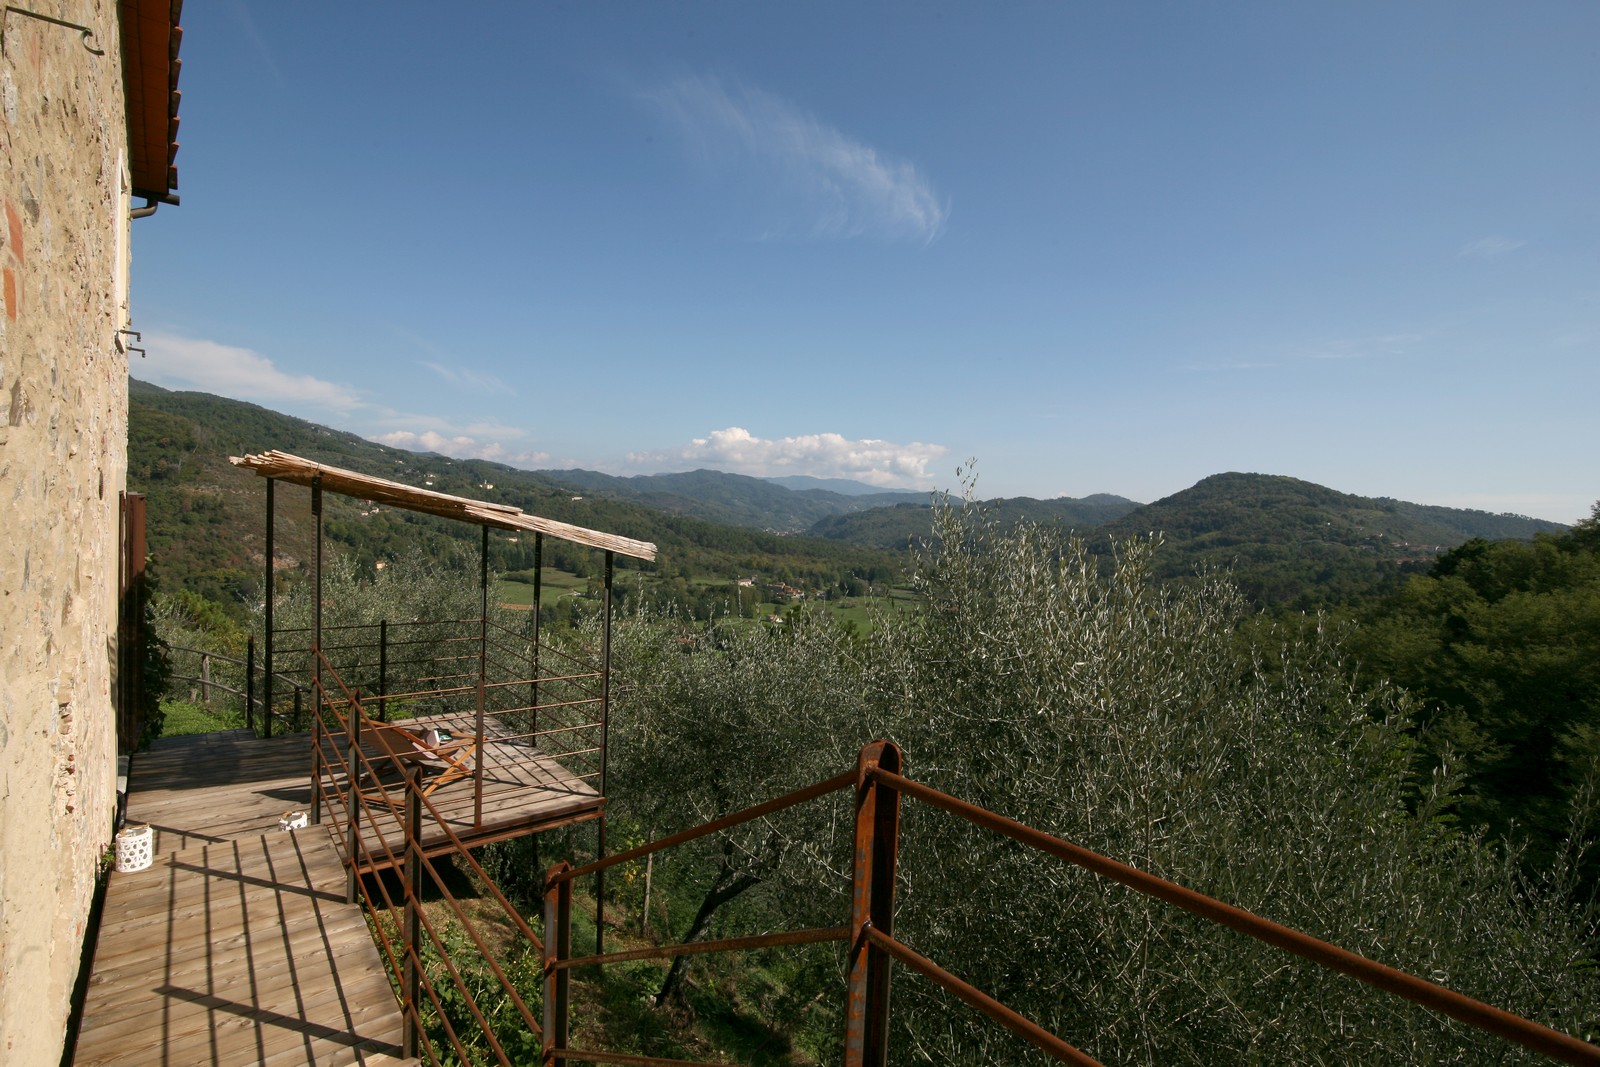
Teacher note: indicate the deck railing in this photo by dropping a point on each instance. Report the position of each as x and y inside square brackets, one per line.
[207, 673]
[468, 999]
[525, 691]
[880, 788]
[460, 997]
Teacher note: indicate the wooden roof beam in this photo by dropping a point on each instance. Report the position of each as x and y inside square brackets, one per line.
[290, 468]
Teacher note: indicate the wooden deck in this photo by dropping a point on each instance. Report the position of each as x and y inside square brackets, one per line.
[237, 947]
[524, 792]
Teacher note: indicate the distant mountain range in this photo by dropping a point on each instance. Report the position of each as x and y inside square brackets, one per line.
[737, 499]
[1288, 541]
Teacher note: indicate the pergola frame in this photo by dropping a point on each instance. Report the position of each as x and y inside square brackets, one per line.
[278, 466]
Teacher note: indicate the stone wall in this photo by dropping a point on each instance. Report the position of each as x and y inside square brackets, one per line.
[63, 459]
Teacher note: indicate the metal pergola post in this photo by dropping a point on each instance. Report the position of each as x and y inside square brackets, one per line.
[271, 590]
[538, 589]
[605, 750]
[483, 670]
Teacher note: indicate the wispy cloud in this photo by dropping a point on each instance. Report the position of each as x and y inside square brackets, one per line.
[1488, 248]
[228, 370]
[459, 446]
[1233, 366]
[1380, 346]
[822, 455]
[824, 183]
[467, 378]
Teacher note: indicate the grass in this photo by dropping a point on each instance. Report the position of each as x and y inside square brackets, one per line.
[554, 585]
[182, 718]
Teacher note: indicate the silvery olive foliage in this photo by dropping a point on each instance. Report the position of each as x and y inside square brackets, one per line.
[1163, 726]
[712, 719]
[429, 604]
[1153, 725]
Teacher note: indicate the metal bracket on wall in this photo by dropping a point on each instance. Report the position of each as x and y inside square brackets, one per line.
[84, 32]
[137, 336]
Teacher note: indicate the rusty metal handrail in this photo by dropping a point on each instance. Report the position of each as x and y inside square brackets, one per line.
[788, 800]
[357, 804]
[819, 935]
[1017, 1023]
[1458, 1006]
[879, 788]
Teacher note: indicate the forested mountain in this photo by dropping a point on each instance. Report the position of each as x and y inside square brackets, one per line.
[735, 499]
[843, 486]
[207, 518]
[1288, 542]
[907, 523]
[1291, 542]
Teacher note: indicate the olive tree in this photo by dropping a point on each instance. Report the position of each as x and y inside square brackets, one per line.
[712, 719]
[1164, 727]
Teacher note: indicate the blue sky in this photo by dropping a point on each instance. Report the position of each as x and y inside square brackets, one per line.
[1096, 247]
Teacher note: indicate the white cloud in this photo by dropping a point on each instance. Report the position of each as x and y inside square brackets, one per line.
[459, 446]
[1488, 248]
[191, 363]
[821, 455]
[840, 186]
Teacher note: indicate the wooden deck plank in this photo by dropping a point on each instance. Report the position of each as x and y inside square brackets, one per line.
[236, 946]
[237, 952]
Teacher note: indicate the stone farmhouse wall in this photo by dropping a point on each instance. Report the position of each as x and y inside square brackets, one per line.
[63, 459]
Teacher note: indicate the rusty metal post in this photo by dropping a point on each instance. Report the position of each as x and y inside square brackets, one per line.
[877, 841]
[316, 771]
[557, 948]
[316, 600]
[412, 981]
[483, 670]
[605, 751]
[250, 682]
[538, 589]
[352, 793]
[383, 670]
[270, 589]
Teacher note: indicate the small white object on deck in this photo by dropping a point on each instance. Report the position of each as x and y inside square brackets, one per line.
[134, 849]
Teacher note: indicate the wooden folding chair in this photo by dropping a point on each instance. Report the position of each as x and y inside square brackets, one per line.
[450, 759]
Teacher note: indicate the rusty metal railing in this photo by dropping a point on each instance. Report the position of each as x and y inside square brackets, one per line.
[385, 826]
[879, 788]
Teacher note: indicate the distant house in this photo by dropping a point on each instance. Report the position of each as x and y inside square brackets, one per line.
[87, 128]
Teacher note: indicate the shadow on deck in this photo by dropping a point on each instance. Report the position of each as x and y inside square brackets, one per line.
[237, 946]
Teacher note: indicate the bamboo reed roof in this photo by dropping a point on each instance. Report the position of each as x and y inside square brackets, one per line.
[291, 468]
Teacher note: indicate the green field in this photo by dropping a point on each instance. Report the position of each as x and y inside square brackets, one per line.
[555, 585]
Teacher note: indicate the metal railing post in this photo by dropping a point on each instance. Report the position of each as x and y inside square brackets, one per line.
[557, 948]
[538, 589]
[383, 671]
[605, 747]
[299, 707]
[483, 670]
[352, 795]
[412, 985]
[316, 771]
[269, 591]
[250, 683]
[877, 841]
